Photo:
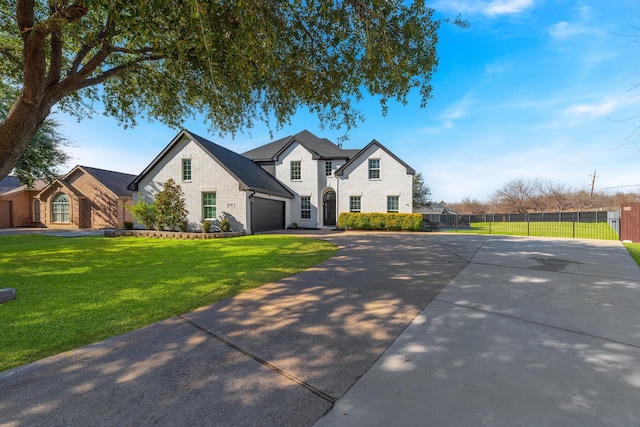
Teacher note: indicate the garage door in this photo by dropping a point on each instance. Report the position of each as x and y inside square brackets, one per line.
[5, 213]
[267, 215]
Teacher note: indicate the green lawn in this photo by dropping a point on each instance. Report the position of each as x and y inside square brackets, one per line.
[75, 291]
[579, 230]
[634, 250]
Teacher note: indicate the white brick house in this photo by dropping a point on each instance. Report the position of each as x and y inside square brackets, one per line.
[300, 179]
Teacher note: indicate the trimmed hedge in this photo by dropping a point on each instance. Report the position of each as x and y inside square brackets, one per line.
[380, 221]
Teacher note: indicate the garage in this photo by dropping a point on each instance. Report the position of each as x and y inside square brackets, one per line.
[5, 214]
[266, 215]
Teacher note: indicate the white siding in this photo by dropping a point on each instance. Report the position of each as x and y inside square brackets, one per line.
[207, 175]
[307, 186]
[394, 181]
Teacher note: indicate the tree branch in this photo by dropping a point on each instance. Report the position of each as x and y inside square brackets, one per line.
[55, 61]
[116, 71]
[25, 15]
[53, 22]
[100, 39]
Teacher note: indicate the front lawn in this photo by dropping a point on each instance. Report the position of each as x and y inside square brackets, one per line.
[579, 230]
[634, 250]
[75, 291]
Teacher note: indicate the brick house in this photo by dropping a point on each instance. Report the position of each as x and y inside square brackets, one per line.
[20, 201]
[85, 198]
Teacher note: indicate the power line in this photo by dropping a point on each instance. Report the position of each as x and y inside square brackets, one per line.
[619, 186]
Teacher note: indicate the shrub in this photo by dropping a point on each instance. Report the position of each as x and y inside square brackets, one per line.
[206, 226]
[225, 225]
[183, 225]
[128, 225]
[145, 213]
[170, 206]
[380, 221]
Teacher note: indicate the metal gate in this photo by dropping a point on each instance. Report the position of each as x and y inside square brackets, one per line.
[630, 222]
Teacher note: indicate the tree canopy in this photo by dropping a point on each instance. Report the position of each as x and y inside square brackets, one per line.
[421, 192]
[232, 62]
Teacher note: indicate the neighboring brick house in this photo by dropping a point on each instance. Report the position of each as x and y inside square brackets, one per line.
[299, 179]
[86, 198]
[23, 209]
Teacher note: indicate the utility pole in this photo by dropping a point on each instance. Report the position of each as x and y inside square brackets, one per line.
[593, 184]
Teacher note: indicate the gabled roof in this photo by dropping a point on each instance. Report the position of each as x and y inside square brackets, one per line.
[38, 185]
[341, 169]
[320, 148]
[117, 182]
[249, 175]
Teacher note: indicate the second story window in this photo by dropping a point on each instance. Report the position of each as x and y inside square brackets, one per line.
[296, 171]
[374, 168]
[186, 169]
[328, 168]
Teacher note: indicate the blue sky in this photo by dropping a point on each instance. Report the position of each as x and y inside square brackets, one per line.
[533, 89]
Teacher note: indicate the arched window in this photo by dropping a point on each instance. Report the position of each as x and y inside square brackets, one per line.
[60, 209]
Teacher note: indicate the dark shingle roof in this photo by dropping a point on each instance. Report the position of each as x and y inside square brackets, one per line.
[117, 182]
[244, 169]
[342, 168]
[8, 183]
[320, 148]
[249, 175]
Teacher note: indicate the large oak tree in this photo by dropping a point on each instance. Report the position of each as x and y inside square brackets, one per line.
[232, 61]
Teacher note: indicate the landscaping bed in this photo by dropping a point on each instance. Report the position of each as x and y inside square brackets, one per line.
[172, 234]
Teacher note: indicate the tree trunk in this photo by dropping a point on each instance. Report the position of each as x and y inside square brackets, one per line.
[17, 130]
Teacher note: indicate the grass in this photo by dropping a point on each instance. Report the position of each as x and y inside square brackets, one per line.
[579, 230]
[75, 291]
[634, 250]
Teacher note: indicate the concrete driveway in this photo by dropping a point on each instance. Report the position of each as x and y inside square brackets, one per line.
[397, 329]
[533, 332]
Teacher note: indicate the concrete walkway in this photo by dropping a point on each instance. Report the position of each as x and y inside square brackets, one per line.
[521, 332]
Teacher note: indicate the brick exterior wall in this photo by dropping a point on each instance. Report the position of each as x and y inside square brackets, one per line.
[21, 207]
[92, 205]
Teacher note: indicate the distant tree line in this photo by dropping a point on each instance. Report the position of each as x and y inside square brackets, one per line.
[522, 195]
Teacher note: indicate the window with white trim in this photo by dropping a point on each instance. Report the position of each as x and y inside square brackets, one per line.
[296, 170]
[355, 203]
[374, 168]
[328, 168]
[186, 169]
[393, 203]
[60, 212]
[209, 206]
[305, 207]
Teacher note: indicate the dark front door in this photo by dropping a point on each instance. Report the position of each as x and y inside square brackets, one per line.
[329, 208]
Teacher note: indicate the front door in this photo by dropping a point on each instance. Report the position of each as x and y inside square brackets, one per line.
[329, 208]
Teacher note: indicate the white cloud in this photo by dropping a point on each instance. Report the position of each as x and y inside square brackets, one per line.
[507, 7]
[564, 30]
[489, 8]
[598, 109]
[458, 109]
